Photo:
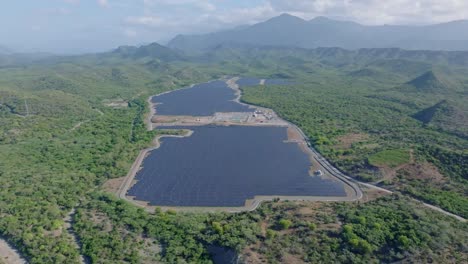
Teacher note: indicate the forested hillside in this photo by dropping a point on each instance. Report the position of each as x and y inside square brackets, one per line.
[69, 124]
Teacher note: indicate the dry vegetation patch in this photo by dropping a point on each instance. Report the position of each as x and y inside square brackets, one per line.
[116, 103]
[422, 171]
[346, 141]
[113, 185]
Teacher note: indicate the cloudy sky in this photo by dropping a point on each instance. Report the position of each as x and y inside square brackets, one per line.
[75, 26]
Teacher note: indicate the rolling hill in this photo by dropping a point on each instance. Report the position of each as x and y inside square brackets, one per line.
[427, 82]
[445, 115]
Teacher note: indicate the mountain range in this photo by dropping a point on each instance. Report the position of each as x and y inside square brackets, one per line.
[290, 31]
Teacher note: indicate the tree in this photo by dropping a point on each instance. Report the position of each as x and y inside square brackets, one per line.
[285, 223]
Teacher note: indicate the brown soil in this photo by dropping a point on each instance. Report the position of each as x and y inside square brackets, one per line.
[292, 259]
[372, 194]
[422, 171]
[113, 185]
[294, 135]
[252, 256]
[163, 119]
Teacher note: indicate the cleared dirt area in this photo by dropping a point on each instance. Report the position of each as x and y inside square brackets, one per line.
[422, 171]
[113, 185]
[294, 135]
[9, 255]
[370, 194]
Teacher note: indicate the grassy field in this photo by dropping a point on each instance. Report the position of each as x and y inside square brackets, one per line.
[390, 158]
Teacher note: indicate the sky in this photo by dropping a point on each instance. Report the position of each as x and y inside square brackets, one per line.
[80, 26]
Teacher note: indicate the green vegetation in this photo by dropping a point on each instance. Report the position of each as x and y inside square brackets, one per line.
[384, 230]
[60, 140]
[391, 158]
[285, 223]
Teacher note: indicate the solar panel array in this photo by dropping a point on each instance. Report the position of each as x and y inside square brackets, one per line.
[201, 100]
[224, 166]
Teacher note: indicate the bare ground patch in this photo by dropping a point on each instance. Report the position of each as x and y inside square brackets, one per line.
[294, 135]
[422, 171]
[9, 255]
[113, 185]
[116, 103]
[292, 259]
[370, 194]
[346, 141]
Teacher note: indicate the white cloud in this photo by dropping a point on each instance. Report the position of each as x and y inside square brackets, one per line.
[103, 3]
[203, 5]
[379, 11]
[73, 2]
[150, 21]
[130, 33]
[197, 22]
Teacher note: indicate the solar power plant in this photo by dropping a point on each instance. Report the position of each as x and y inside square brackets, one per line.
[201, 100]
[225, 165]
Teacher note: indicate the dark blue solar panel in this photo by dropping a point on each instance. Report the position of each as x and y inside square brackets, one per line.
[201, 100]
[224, 166]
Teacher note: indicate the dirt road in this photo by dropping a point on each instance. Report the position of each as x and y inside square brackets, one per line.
[68, 220]
[9, 255]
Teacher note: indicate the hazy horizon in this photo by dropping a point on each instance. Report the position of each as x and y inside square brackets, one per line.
[81, 26]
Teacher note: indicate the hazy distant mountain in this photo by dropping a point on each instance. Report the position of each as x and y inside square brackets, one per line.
[287, 30]
[153, 51]
[5, 50]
